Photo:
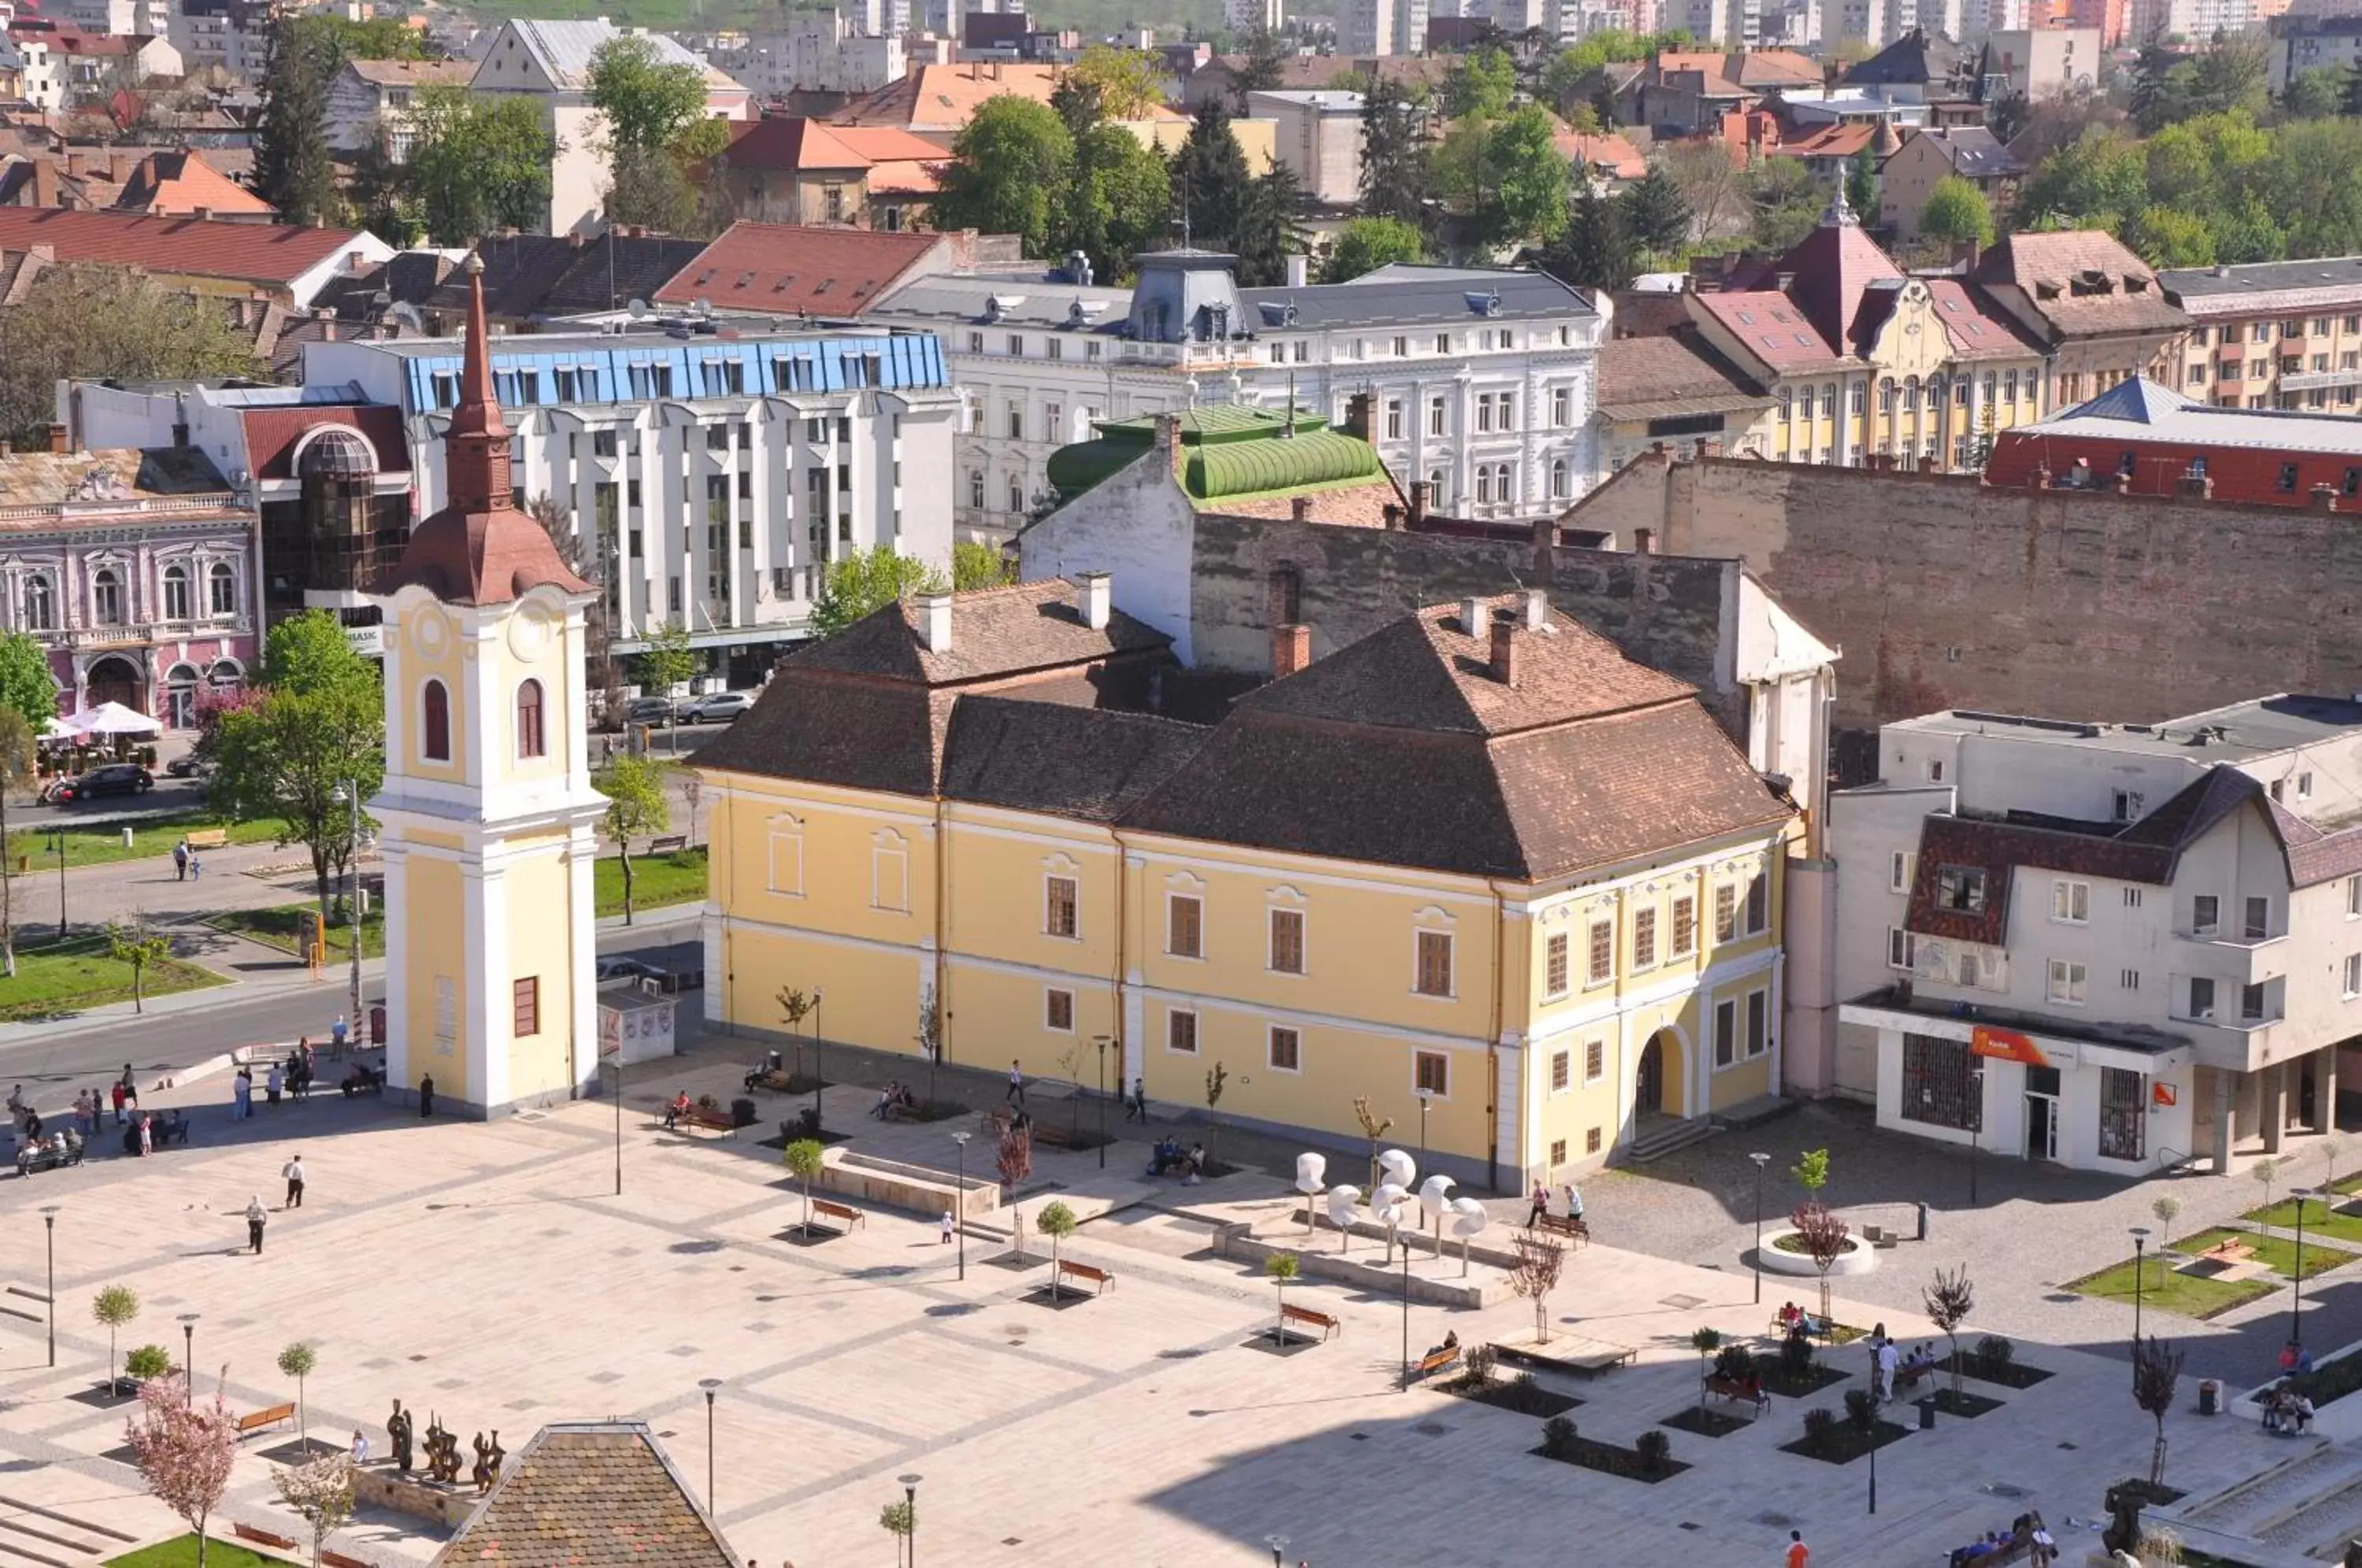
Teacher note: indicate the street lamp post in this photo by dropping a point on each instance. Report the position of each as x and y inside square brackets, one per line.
[349, 794]
[189, 1359]
[910, 1502]
[2296, 1274]
[959, 1201]
[1101, 1042]
[819, 1061]
[1760, 1161]
[2140, 1255]
[709, 1385]
[50, 1225]
[1976, 1129]
[59, 843]
[1425, 1099]
[1278, 1544]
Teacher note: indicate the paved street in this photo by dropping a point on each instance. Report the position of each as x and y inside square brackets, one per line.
[848, 1365]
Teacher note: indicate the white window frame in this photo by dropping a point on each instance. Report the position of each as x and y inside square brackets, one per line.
[1588, 1075]
[1303, 940]
[1417, 1089]
[2067, 983]
[1074, 881]
[1049, 994]
[1901, 864]
[888, 846]
[1561, 1058]
[1451, 957]
[1565, 940]
[787, 834]
[2353, 976]
[1902, 949]
[2070, 902]
[1170, 899]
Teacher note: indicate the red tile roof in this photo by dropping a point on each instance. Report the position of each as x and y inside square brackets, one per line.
[782, 269]
[177, 183]
[173, 246]
[792, 143]
[1770, 326]
[1833, 266]
[273, 434]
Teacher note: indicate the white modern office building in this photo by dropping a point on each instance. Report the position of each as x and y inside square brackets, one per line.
[2119, 947]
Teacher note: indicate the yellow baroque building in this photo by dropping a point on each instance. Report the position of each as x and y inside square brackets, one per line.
[1478, 860]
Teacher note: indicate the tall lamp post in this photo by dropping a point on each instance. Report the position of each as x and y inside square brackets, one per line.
[819, 1061]
[1425, 1099]
[1976, 1128]
[189, 1359]
[50, 1225]
[1760, 1161]
[1101, 1042]
[58, 842]
[2296, 1274]
[709, 1385]
[959, 1199]
[2140, 1256]
[910, 1501]
[349, 794]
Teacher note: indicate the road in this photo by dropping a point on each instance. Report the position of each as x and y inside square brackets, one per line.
[166, 1043]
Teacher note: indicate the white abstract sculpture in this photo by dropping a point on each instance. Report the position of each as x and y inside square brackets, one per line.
[1435, 1196]
[1312, 1171]
[1399, 1167]
[1390, 1206]
[1469, 1220]
[1344, 1203]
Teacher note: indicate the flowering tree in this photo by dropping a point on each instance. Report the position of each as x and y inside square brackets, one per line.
[183, 1452]
[1824, 1236]
[321, 1491]
[1541, 1259]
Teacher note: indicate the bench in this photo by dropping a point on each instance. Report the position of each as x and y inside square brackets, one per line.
[338, 1560]
[1879, 1237]
[2229, 1250]
[1605, 1357]
[208, 838]
[1101, 1278]
[263, 1537]
[1729, 1388]
[1904, 1376]
[716, 1119]
[261, 1419]
[2019, 1547]
[671, 843]
[846, 1214]
[1434, 1360]
[1570, 1225]
[1311, 1319]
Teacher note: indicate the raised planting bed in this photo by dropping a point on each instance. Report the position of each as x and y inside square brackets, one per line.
[1708, 1422]
[2165, 1289]
[1968, 1406]
[1520, 1395]
[2339, 1224]
[1985, 1369]
[1783, 1384]
[1568, 1447]
[1843, 1443]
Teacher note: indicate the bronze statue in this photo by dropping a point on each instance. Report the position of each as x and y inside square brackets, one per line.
[2124, 1533]
[483, 1473]
[441, 1453]
[397, 1433]
[498, 1455]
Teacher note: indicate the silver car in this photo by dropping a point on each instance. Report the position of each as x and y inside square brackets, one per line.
[718, 707]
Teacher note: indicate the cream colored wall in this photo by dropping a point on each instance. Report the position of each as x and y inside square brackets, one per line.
[431, 651]
[435, 936]
[531, 645]
[996, 997]
[539, 945]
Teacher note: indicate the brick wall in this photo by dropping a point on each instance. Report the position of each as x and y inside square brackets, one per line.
[1944, 592]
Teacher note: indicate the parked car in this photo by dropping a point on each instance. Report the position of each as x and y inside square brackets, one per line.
[718, 707]
[648, 710]
[114, 778]
[626, 969]
[190, 766]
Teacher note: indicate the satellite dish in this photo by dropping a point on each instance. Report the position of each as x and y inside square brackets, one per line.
[639, 309]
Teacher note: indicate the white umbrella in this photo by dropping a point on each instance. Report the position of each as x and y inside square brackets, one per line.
[115, 719]
[58, 729]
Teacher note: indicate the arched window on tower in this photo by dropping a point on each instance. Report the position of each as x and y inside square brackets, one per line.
[435, 742]
[529, 739]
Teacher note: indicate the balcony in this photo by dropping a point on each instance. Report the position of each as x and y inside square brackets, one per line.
[2311, 380]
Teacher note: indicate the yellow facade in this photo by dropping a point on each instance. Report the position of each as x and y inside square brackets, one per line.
[1308, 982]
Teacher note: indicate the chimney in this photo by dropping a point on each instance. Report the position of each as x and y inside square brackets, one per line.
[1505, 646]
[203, 215]
[935, 625]
[2324, 498]
[1169, 439]
[1420, 490]
[118, 169]
[1698, 449]
[1473, 619]
[1357, 415]
[1092, 600]
[1967, 252]
[1537, 609]
[58, 442]
[1644, 542]
[1299, 269]
[1299, 509]
[2197, 487]
[1291, 649]
[1393, 516]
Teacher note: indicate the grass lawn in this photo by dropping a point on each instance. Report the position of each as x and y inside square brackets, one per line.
[2276, 1252]
[2318, 1220]
[284, 928]
[55, 977]
[182, 1552]
[2164, 1290]
[657, 881]
[29, 835]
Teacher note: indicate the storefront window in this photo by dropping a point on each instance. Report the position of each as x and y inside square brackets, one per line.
[2124, 1115]
[1939, 1084]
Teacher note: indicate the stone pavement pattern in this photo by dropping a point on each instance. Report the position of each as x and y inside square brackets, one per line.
[489, 1275]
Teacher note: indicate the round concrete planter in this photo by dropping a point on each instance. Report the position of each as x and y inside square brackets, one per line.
[1858, 1257]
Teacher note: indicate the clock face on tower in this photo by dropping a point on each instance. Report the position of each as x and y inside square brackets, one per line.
[531, 631]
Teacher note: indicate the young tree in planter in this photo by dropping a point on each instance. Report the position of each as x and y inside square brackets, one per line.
[2167, 1210]
[116, 1306]
[1057, 1223]
[129, 941]
[1824, 1236]
[321, 1491]
[2156, 1371]
[1950, 1299]
[1541, 1259]
[1374, 1129]
[299, 1361]
[804, 1158]
[2266, 1172]
[146, 1363]
[1811, 1171]
[1216, 1076]
[2331, 1147]
[1706, 1342]
[931, 1044]
[1280, 1267]
[1014, 1159]
[795, 1006]
[183, 1450]
[1070, 1061]
[899, 1521]
[635, 807]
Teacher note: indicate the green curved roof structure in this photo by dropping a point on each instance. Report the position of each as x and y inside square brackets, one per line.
[1228, 451]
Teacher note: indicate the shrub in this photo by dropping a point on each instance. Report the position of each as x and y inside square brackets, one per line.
[1797, 1356]
[1861, 1407]
[1734, 1362]
[1655, 1448]
[1478, 1365]
[147, 1362]
[1819, 1422]
[1558, 1438]
[1995, 1349]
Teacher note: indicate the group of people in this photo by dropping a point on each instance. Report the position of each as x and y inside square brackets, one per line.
[2026, 1531]
[2287, 1409]
[87, 1106]
[1794, 1320]
[1889, 1365]
[1169, 1158]
[1540, 1201]
[895, 1100]
[38, 1143]
[292, 1076]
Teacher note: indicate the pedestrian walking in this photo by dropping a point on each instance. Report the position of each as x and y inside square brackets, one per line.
[85, 1112]
[180, 861]
[1799, 1555]
[295, 1175]
[1540, 1201]
[336, 1032]
[361, 1448]
[1574, 1201]
[272, 1085]
[255, 1216]
[948, 1226]
[1888, 1359]
[427, 1096]
[1139, 1108]
[130, 1088]
[147, 1130]
[241, 1094]
[1016, 1095]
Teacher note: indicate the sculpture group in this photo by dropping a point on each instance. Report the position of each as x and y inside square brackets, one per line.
[443, 1450]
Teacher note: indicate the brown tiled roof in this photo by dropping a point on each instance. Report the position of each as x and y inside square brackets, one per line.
[2082, 282]
[1771, 327]
[273, 434]
[589, 1496]
[179, 184]
[1665, 376]
[997, 633]
[783, 268]
[415, 72]
[1997, 849]
[129, 474]
[1833, 266]
[173, 246]
[1346, 506]
[1067, 760]
[827, 728]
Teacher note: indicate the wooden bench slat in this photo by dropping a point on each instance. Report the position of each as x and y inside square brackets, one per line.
[846, 1212]
[252, 1533]
[338, 1560]
[1102, 1278]
[267, 1418]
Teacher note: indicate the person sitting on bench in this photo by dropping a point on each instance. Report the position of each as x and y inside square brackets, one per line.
[1451, 1344]
[885, 1106]
[173, 1129]
[677, 1112]
[905, 1102]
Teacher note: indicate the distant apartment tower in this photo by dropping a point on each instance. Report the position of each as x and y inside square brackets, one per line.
[1251, 15]
[1381, 27]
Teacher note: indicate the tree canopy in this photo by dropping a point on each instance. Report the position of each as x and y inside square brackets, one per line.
[1367, 244]
[859, 583]
[1127, 78]
[91, 321]
[293, 169]
[26, 687]
[477, 162]
[1008, 167]
[1956, 211]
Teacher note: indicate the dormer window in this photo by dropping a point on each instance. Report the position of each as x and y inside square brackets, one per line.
[1960, 888]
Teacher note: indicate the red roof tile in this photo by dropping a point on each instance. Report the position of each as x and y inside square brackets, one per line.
[1833, 266]
[249, 253]
[782, 269]
[273, 435]
[1770, 326]
[792, 143]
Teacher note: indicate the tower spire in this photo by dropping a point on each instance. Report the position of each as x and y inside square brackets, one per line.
[476, 463]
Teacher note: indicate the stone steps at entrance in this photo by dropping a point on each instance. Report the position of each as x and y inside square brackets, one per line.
[1664, 1138]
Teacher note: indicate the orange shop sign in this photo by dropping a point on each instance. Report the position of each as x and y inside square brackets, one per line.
[2008, 1044]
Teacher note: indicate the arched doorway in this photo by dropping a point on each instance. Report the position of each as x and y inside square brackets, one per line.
[1649, 1089]
[113, 680]
[180, 696]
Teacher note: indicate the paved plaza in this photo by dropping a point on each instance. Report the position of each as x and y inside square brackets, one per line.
[489, 1275]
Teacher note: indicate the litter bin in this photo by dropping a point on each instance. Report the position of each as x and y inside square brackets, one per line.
[741, 1113]
[377, 1024]
[1923, 1221]
[2210, 1397]
[1927, 1413]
